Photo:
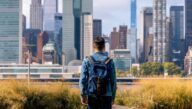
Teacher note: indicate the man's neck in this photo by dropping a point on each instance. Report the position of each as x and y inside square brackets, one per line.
[99, 51]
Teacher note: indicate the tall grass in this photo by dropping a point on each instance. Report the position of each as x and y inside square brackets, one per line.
[17, 95]
[158, 94]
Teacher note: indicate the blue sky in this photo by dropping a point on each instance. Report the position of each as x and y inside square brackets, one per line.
[112, 12]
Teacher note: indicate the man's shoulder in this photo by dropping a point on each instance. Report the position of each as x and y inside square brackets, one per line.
[86, 60]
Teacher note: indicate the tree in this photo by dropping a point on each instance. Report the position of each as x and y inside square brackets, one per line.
[151, 68]
[171, 68]
[135, 71]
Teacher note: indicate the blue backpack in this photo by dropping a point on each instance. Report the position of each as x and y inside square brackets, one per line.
[99, 76]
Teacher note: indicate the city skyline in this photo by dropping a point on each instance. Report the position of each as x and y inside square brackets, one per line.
[110, 13]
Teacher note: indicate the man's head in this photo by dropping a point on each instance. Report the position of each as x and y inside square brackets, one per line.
[99, 44]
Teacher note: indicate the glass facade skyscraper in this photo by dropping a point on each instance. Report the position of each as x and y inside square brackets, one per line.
[177, 27]
[132, 37]
[72, 12]
[97, 28]
[49, 10]
[68, 40]
[133, 13]
[188, 24]
[10, 31]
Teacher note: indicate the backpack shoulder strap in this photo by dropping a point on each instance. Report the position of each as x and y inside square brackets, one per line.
[108, 60]
[90, 58]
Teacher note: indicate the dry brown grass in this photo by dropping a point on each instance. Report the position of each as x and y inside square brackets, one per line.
[158, 94]
[18, 95]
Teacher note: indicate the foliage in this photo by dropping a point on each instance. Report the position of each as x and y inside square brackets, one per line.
[154, 68]
[151, 68]
[158, 94]
[135, 71]
[121, 73]
[171, 68]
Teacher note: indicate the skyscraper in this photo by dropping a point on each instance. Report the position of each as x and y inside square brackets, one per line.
[87, 6]
[68, 40]
[97, 28]
[42, 40]
[177, 29]
[133, 13]
[80, 7]
[123, 36]
[58, 33]
[133, 31]
[86, 35]
[31, 38]
[72, 11]
[114, 39]
[49, 9]
[24, 23]
[159, 26]
[10, 31]
[36, 15]
[146, 16]
[188, 23]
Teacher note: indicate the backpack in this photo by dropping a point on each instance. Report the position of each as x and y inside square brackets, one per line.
[98, 77]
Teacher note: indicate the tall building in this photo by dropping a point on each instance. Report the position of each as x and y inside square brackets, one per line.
[159, 26]
[58, 33]
[146, 16]
[133, 31]
[31, 38]
[177, 26]
[50, 7]
[36, 15]
[86, 6]
[72, 11]
[148, 49]
[10, 31]
[97, 28]
[134, 13]
[188, 24]
[80, 7]
[167, 41]
[24, 23]
[86, 35]
[114, 39]
[42, 40]
[68, 40]
[123, 36]
[77, 10]
[58, 19]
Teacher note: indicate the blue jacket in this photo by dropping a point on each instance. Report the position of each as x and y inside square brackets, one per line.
[83, 83]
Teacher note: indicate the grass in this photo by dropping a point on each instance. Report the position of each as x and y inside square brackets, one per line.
[149, 94]
[17, 95]
[158, 94]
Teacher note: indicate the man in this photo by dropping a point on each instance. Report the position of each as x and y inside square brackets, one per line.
[98, 78]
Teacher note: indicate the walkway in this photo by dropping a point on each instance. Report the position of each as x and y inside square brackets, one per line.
[119, 107]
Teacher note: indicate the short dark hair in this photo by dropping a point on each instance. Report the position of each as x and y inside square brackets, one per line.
[99, 43]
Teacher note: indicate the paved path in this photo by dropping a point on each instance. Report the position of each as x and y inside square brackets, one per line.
[119, 107]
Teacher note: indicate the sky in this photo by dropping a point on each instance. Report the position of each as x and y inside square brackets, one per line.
[112, 12]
